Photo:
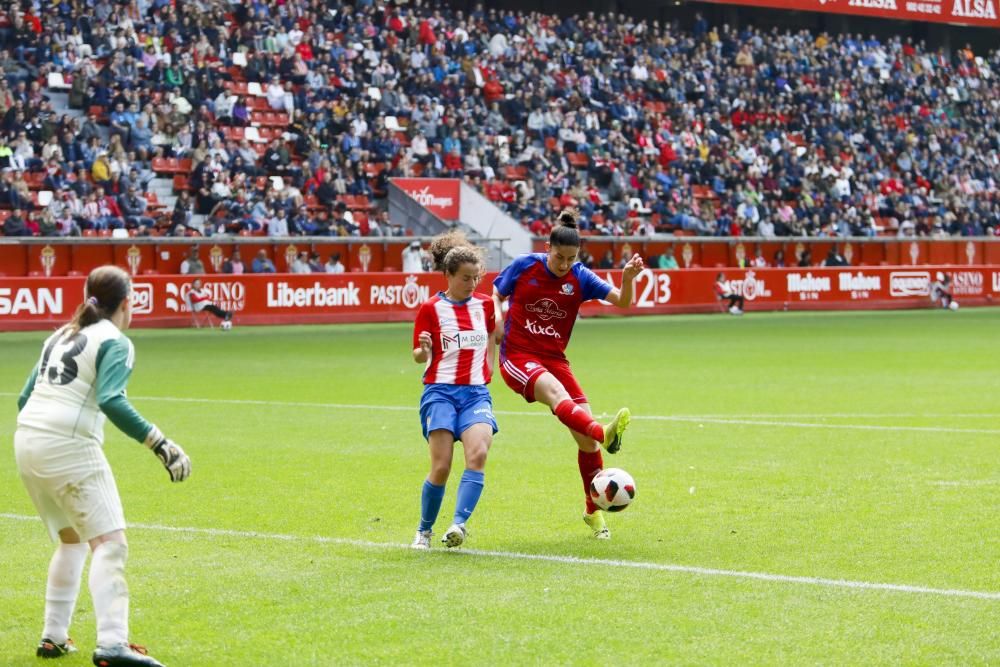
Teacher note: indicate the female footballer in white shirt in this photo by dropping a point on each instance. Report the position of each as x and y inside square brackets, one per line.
[79, 380]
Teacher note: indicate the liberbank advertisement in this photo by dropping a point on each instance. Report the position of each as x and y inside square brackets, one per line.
[44, 303]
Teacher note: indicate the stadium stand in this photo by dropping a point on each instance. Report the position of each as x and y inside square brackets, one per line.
[255, 107]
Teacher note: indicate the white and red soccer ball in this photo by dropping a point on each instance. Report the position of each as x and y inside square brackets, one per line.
[612, 489]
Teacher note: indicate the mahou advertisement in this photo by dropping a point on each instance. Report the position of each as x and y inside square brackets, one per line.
[964, 12]
[162, 301]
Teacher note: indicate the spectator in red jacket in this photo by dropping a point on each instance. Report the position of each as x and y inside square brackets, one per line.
[493, 91]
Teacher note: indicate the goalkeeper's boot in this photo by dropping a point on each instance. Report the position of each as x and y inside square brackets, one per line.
[124, 655]
[454, 536]
[49, 649]
[596, 523]
[614, 430]
[422, 540]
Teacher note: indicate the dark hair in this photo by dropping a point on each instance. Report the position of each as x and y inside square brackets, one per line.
[452, 249]
[106, 288]
[565, 232]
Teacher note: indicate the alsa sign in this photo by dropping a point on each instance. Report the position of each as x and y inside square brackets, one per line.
[968, 12]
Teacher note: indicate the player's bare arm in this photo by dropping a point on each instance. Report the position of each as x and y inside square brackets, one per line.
[498, 300]
[623, 297]
[422, 354]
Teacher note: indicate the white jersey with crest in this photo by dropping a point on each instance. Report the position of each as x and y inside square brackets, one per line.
[74, 374]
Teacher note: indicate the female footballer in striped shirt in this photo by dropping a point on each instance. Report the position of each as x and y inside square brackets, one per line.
[453, 336]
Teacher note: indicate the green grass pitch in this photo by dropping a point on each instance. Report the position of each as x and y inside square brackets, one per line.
[831, 450]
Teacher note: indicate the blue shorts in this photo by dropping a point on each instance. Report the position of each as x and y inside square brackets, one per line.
[455, 407]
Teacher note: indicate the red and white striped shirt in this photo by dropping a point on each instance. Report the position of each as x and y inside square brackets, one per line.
[461, 351]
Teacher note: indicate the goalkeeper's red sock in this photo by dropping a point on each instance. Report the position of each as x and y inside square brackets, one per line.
[578, 419]
[590, 464]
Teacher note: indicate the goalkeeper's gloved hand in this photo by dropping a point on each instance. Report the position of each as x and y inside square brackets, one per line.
[170, 454]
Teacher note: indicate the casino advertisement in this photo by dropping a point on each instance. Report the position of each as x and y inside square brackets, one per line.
[162, 301]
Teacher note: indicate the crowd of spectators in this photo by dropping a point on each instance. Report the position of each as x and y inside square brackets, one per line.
[643, 126]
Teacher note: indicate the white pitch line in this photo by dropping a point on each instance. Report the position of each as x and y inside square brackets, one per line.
[542, 413]
[571, 560]
[847, 415]
[853, 427]
[966, 482]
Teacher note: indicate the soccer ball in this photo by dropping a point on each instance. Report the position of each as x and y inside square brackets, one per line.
[612, 489]
[953, 305]
[226, 325]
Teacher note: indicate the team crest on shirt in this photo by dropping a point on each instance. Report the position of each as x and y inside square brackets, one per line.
[566, 288]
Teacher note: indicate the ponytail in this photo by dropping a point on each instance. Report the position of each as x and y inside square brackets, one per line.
[87, 313]
[106, 288]
[566, 232]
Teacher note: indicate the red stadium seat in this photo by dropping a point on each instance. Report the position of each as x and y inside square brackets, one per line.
[162, 165]
[237, 87]
[578, 160]
[35, 179]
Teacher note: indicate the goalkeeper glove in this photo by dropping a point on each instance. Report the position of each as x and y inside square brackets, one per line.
[170, 454]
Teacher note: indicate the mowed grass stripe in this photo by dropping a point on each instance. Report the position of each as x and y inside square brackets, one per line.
[542, 413]
[569, 560]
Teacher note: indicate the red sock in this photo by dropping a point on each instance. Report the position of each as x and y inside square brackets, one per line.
[578, 419]
[590, 464]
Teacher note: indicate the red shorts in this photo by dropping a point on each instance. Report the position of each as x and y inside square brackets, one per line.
[521, 371]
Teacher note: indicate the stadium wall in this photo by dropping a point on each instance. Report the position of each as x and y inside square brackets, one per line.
[51, 257]
[159, 301]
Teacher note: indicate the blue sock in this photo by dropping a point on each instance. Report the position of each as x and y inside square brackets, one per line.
[469, 490]
[430, 504]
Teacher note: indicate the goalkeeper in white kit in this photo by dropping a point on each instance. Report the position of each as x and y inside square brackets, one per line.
[79, 380]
